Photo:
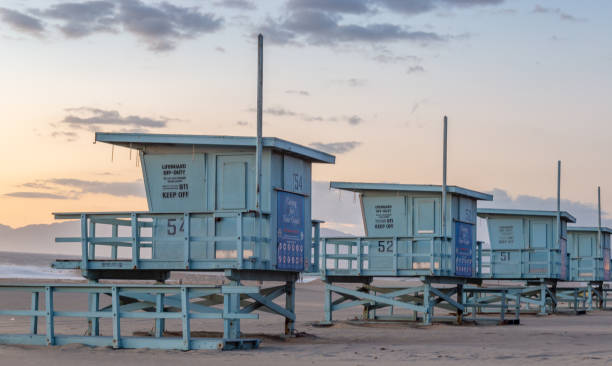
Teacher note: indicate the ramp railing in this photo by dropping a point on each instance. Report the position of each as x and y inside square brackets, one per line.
[387, 256]
[193, 235]
[521, 263]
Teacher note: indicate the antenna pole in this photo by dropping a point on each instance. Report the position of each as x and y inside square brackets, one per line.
[558, 203]
[444, 178]
[599, 218]
[259, 146]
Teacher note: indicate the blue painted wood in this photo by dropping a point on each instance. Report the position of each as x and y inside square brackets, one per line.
[589, 258]
[34, 320]
[146, 307]
[49, 315]
[404, 233]
[524, 245]
[137, 140]
[116, 318]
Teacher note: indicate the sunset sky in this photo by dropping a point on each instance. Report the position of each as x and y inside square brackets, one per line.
[524, 83]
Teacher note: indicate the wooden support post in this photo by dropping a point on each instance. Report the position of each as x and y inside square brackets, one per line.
[517, 309]
[84, 249]
[34, 320]
[231, 305]
[504, 306]
[460, 301]
[185, 316]
[186, 240]
[240, 241]
[542, 305]
[49, 312]
[92, 235]
[116, 317]
[554, 303]
[328, 302]
[160, 324]
[589, 298]
[135, 239]
[576, 301]
[94, 323]
[317, 249]
[115, 234]
[366, 307]
[427, 304]
[290, 305]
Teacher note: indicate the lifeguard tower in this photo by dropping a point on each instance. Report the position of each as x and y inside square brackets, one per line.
[424, 232]
[240, 206]
[589, 249]
[528, 246]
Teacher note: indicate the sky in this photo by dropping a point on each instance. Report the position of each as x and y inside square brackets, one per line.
[523, 83]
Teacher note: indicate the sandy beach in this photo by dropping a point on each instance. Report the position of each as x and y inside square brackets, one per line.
[547, 340]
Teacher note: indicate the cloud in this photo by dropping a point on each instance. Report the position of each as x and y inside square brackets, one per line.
[331, 23]
[556, 11]
[22, 22]
[69, 135]
[69, 188]
[415, 69]
[354, 120]
[586, 214]
[43, 195]
[323, 28]
[87, 117]
[236, 4]
[82, 19]
[283, 112]
[470, 3]
[352, 82]
[506, 11]
[119, 189]
[159, 26]
[298, 92]
[336, 6]
[279, 112]
[387, 57]
[408, 7]
[336, 147]
[415, 7]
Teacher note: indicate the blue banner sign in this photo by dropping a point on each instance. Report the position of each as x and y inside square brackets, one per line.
[464, 255]
[290, 224]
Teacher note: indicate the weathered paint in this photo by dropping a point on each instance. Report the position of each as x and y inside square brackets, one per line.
[403, 225]
[202, 200]
[589, 258]
[524, 246]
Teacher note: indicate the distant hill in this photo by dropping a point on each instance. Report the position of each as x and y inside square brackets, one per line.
[39, 238]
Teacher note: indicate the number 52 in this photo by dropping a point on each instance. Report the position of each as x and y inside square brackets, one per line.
[385, 246]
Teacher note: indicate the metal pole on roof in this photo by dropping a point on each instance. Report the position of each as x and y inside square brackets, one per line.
[444, 178]
[558, 203]
[599, 217]
[259, 121]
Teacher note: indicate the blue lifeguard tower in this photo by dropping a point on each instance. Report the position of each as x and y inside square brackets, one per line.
[529, 247]
[589, 250]
[423, 232]
[238, 206]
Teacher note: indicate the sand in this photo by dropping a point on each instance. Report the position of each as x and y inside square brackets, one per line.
[547, 340]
